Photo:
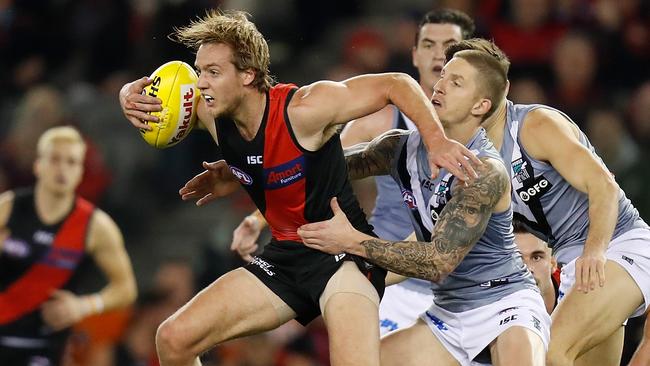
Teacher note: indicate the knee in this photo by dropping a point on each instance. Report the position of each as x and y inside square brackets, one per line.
[171, 340]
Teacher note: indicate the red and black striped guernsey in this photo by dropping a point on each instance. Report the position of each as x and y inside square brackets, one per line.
[289, 184]
[37, 259]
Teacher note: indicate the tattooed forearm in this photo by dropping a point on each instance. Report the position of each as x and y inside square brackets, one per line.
[461, 224]
[374, 157]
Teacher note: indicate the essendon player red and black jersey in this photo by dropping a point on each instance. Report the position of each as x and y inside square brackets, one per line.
[290, 185]
[35, 260]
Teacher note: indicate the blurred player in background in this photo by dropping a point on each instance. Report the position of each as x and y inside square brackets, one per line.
[46, 233]
[280, 142]
[405, 301]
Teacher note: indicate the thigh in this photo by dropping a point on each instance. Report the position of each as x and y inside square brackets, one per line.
[606, 353]
[582, 321]
[235, 305]
[349, 306]
[415, 346]
[518, 346]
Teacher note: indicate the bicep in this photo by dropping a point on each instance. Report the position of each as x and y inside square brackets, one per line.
[548, 136]
[366, 128]
[327, 103]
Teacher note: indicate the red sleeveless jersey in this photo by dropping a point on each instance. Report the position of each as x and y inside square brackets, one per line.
[38, 258]
[290, 185]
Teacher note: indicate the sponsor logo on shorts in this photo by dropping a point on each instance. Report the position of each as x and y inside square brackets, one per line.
[285, 174]
[436, 321]
[264, 265]
[508, 309]
[244, 178]
[537, 323]
[628, 259]
[338, 257]
[508, 319]
[388, 324]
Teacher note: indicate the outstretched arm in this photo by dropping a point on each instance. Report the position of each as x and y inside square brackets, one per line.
[374, 157]
[461, 223]
[315, 108]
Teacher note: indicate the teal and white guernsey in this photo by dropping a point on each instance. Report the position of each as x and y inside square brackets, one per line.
[493, 268]
[544, 201]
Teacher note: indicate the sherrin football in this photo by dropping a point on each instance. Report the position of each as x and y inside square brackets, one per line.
[175, 84]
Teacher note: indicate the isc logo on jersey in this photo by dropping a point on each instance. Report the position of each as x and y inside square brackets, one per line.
[175, 84]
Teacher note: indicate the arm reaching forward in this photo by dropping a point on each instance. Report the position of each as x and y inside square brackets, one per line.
[460, 225]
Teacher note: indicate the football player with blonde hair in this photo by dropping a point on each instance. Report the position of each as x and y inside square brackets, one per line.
[45, 234]
[282, 145]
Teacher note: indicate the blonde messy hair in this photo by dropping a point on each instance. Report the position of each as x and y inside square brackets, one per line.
[59, 134]
[250, 50]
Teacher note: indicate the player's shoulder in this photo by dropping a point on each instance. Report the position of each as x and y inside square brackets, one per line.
[543, 118]
[102, 228]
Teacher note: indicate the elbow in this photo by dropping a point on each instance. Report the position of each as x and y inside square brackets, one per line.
[132, 294]
[128, 294]
[607, 187]
[440, 278]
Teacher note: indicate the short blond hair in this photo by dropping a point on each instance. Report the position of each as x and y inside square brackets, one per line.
[250, 50]
[59, 134]
[490, 62]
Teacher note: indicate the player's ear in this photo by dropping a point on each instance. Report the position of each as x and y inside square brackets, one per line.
[481, 107]
[247, 76]
[36, 167]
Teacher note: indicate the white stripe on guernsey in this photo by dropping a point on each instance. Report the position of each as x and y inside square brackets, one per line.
[521, 207]
[412, 167]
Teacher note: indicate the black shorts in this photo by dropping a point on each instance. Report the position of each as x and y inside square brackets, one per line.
[299, 274]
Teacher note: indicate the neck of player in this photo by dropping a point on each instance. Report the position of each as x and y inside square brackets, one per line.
[249, 114]
[463, 131]
[52, 207]
[495, 124]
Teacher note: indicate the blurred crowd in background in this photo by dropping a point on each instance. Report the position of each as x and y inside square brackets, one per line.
[63, 62]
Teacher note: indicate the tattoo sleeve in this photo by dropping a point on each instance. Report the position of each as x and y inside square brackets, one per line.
[374, 157]
[460, 225]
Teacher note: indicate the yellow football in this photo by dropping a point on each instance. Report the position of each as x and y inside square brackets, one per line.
[175, 84]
